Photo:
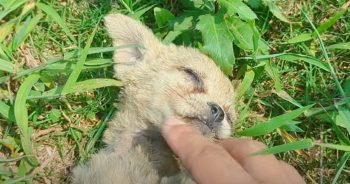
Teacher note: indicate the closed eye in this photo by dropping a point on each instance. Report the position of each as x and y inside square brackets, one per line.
[199, 84]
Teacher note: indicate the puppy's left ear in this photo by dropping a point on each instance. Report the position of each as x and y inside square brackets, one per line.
[131, 34]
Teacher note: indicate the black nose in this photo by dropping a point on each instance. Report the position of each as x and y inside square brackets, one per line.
[216, 111]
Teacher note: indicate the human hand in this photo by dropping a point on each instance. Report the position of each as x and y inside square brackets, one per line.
[228, 161]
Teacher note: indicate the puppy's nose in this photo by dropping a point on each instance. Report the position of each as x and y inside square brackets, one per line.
[216, 112]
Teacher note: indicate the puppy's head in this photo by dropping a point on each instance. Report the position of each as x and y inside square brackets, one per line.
[163, 81]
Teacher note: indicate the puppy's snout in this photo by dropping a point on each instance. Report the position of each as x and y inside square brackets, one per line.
[217, 113]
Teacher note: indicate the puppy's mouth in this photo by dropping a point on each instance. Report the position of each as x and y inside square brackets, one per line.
[202, 125]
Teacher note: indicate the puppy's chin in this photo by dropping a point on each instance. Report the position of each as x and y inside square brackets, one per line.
[219, 132]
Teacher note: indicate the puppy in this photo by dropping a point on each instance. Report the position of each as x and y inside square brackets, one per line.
[161, 81]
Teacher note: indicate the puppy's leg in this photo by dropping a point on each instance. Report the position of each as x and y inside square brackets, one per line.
[181, 178]
[110, 168]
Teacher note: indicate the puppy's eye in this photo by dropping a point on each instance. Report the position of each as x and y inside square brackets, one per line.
[199, 85]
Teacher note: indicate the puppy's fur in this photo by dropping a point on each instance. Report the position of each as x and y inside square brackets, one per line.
[160, 82]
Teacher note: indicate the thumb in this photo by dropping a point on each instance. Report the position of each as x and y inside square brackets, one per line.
[180, 135]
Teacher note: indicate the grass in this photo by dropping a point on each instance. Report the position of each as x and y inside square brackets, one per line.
[57, 90]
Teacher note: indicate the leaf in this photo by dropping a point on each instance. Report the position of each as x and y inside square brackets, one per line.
[305, 58]
[21, 115]
[291, 57]
[300, 38]
[276, 11]
[6, 28]
[273, 72]
[217, 41]
[81, 86]
[24, 30]
[73, 77]
[238, 7]
[162, 16]
[340, 166]
[284, 95]
[334, 146]
[4, 160]
[273, 123]
[321, 28]
[244, 35]
[11, 7]
[6, 66]
[331, 21]
[344, 115]
[246, 83]
[91, 84]
[179, 27]
[51, 12]
[5, 111]
[302, 144]
[291, 126]
[342, 46]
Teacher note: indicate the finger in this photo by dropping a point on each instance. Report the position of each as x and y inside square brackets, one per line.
[264, 168]
[206, 161]
[292, 173]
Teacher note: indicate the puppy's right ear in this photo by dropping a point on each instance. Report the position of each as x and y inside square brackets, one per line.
[135, 38]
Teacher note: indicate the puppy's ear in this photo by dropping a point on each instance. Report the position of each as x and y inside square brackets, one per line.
[134, 38]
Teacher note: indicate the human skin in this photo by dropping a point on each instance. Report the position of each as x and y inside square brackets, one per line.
[225, 161]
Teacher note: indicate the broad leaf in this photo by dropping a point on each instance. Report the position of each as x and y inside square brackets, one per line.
[179, 27]
[276, 11]
[162, 16]
[217, 41]
[238, 7]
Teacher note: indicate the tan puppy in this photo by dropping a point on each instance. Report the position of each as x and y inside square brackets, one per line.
[160, 81]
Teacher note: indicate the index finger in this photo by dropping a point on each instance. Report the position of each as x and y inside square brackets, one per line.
[206, 161]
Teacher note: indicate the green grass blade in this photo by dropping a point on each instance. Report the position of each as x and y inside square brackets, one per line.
[321, 28]
[24, 31]
[6, 28]
[334, 146]
[344, 114]
[79, 87]
[341, 46]
[4, 160]
[273, 72]
[302, 144]
[273, 123]
[292, 57]
[341, 166]
[51, 12]
[246, 83]
[91, 84]
[80, 64]
[285, 96]
[305, 58]
[6, 66]
[21, 115]
[325, 54]
[14, 5]
[6, 112]
[98, 133]
[300, 38]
